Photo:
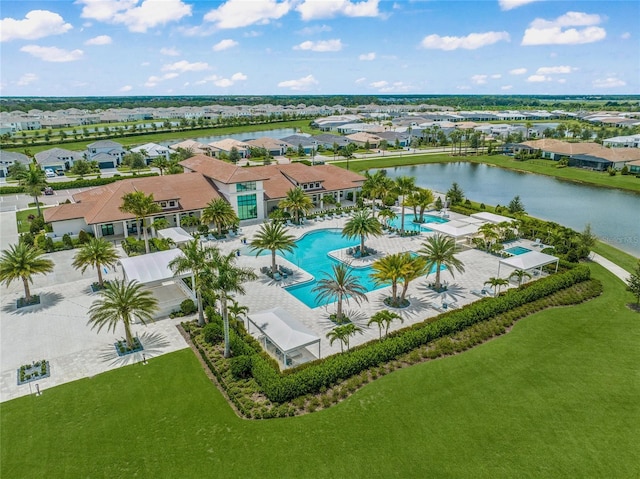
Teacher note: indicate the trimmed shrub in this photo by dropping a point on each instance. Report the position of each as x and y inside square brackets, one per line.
[67, 242]
[188, 307]
[240, 367]
[83, 237]
[213, 333]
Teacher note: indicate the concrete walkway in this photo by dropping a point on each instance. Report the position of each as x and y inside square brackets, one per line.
[621, 273]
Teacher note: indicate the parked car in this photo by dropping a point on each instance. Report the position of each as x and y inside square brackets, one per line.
[48, 191]
[50, 174]
[60, 172]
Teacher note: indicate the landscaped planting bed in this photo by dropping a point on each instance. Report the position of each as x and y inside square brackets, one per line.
[257, 388]
[33, 372]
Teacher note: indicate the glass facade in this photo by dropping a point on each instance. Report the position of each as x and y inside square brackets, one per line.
[246, 186]
[247, 207]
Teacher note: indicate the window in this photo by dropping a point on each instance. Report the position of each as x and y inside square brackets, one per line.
[247, 207]
[318, 185]
[163, 204]
[172, 204]
[304, 187]
[107, 230]
[246, 186]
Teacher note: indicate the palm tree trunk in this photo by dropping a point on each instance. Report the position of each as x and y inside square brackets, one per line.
[274, 268]
[339, 310]
[200, 308]
[100, 281]
[437, 276]
[27, 292]
[127, 333]
[37, 203]
[405, 287]
[361, 246]
[225, 321]
[146, 240]
[402, 219]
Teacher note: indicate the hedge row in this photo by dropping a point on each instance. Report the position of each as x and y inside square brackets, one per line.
[313, 377]
[79, 183]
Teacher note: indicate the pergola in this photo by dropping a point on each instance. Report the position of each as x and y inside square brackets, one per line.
[283, 335]
[177, 235]
[152, 270]
[529, 261]
[492, 217]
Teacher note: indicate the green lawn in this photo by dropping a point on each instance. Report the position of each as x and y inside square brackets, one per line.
[22, 219]
[628, 182]
[556, 397]
[622, 259]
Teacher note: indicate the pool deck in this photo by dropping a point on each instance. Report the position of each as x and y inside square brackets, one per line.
[57, 329]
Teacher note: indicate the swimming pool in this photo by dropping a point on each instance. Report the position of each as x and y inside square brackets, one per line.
[409, 225]
[312, 255]
[516, 250]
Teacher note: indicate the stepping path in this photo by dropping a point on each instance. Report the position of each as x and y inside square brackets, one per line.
[621, 273]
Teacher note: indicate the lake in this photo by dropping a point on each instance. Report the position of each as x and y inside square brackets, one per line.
[614, 214]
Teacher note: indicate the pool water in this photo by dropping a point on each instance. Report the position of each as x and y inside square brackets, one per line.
[312, 255]
[409, 225]
[516, 250]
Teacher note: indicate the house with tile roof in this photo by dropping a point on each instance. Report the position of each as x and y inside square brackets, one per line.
[97, 210]
[255, 191]
[226, 145]
[584, 155]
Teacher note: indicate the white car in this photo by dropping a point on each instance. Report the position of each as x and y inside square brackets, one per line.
[50, 173]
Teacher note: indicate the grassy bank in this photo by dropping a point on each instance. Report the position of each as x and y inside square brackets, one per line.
[541, 167]
[622, 259]
[556, 397]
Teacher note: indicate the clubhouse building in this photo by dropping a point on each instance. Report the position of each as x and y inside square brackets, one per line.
[253, 192]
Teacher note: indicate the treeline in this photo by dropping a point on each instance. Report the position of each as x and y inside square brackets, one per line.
[463, 102]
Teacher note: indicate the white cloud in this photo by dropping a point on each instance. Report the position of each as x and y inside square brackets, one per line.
[495, 76]
[609, 82]
[315, 9]
[395, 87]
[562, 69]
[306, 31]
[27, 79]
[470, 42]
[238, 77]
[240, 13]
[305, 83]
[479, 79]
[125, 88]
[506, 87]
[223, 82]
[360, 80]
[99, 40]
[562, 80]
[538, 78]
[511, 4]
[137, 17]
[36, 24]
[556, 32]
[224, 45]
[367, 56]
[518, 71]
[184, 66]
[463, 87]
[170, 52]
[379, 84]
[320, 46]
[625, 36]
[52, 54]
[251, 34]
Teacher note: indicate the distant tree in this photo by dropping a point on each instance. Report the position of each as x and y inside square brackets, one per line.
[520, 275]
[15, 170]
[496, 283]
[455, 194]
[384, 318]
[343, 334]
[633, 282]
[34, 182]
[301, 152]
[81, 168]
[515, 205]
[220, 213]
[405, 185]
[297, 203]
[234, 155]
[134, 160]
[161, 163]
[141, 206]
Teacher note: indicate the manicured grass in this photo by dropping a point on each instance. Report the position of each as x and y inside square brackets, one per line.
[22, 218]
[628, 182]
[556, 397]
[622, 259]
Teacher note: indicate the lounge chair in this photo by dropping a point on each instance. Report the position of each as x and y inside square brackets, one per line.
[537, 242]
[481, 292]
[277, 276]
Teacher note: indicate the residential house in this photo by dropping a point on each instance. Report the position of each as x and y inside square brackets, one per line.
[107, 153]
[361, 139]
[585, 155]
[273, 146]
[328, 140]
[57, 159]
[308, 142]
[629, 141]
[226, 145]
[151, 151]
[193, 146]
[8, 158]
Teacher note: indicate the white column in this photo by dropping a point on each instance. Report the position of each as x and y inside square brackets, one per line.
[178, 220]
[126, 230]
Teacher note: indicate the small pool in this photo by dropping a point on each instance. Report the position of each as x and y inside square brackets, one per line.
[516, 250]
[409, 225]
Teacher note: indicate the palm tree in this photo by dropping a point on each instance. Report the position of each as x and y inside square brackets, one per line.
[415, 267]
[384, 317]
[161, 162]
[122, 302]
[296, 202]
[391, 269]
[141, 206]
[21, 262]
[376, 187]
[97, 252]
[404, 187]
[338, 285]
[421, 199]
[387, 215]
[520, 275]
[489, 234]
[362, 225]
[342, 333]
[272, 237]
[496, 283]
[236, 310]
[195, 259]
[439, 251]
[34, 182]
[228, 278]
[220, 213]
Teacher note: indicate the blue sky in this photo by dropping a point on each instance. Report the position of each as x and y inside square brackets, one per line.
[319, 47]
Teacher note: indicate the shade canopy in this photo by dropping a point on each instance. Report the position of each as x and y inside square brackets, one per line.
[492, 217]
[283, 330]
[456, 229]
[177, 235]
[152, 267]
[527, 261]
